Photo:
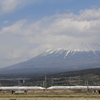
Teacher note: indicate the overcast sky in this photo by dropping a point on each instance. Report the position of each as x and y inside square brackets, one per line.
[30, 27]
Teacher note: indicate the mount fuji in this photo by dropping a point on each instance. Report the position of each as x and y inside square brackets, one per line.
[70, 58]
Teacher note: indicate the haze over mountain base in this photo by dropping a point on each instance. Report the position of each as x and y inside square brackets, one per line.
[58, 60]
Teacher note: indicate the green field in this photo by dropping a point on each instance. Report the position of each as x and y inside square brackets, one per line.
[50, 97]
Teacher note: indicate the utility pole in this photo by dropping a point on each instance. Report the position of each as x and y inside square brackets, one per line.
[52, 80]
[87, 86]
[43, 84]
[70, 81]
[45, 81]
[79, 80]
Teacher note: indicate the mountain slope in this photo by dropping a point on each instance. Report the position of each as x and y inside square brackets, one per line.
[57, 61]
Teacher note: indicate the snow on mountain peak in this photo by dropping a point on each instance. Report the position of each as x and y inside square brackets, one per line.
[73, 48]
[82, 47]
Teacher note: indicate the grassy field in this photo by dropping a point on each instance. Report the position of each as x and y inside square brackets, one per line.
[50, 97]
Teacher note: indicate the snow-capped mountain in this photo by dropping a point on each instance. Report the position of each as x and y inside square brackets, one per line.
[58, 60]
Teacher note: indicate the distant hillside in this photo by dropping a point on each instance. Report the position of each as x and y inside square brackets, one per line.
[82, 77]
[95, 71]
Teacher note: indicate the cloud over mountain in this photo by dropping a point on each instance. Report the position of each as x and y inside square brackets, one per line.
[50, 32]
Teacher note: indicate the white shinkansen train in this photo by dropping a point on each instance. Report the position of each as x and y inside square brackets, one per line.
[74, 87]
[52, 87]
[24, 89]
[21, 88]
